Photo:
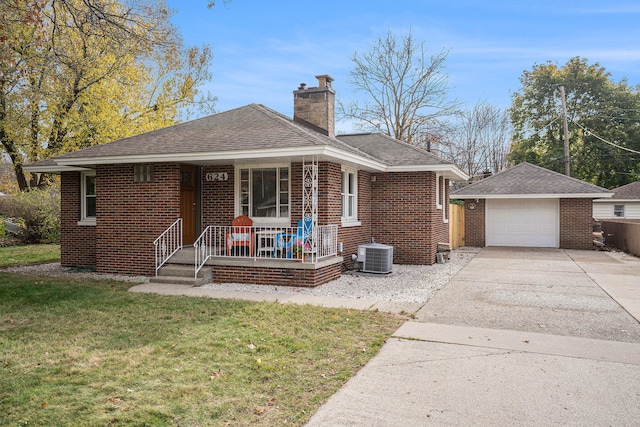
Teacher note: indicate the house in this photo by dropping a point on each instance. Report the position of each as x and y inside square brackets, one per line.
[129, 205]
[624, 204]
[529, 206]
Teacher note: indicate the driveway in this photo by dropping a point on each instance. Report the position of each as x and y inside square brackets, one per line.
[518, 337]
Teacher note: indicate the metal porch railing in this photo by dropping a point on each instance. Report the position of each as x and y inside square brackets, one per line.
[285, 243]
[169, 242]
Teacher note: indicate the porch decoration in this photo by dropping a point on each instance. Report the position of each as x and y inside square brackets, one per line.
[310, 203]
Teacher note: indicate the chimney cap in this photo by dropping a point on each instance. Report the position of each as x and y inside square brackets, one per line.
[324, 80]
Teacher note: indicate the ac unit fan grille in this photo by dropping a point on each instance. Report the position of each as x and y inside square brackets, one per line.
[377, 259]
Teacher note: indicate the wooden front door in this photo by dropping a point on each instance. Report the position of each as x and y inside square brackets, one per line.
[188, 208]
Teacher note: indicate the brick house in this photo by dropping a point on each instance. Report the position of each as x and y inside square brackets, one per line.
[529, 206]
[130, 205]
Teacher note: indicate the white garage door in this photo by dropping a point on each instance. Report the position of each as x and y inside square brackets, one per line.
[523, 222]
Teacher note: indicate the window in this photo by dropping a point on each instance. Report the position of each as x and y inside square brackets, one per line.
[88, 191]
[264, 192]
[143, 173]
[349, 196]
[618, 211]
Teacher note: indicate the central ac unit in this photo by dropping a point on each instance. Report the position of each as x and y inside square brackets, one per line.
[375, 258]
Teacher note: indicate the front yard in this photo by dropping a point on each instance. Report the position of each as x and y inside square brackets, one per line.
[90, 353]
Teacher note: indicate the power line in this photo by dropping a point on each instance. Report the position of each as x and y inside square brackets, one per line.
[604, 140]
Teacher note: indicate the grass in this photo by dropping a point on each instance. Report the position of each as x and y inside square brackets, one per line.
[90, 353]
[28, 254]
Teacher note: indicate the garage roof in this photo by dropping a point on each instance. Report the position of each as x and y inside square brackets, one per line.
[529, 181]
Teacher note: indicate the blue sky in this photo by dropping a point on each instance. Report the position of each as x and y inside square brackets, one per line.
[263, 49]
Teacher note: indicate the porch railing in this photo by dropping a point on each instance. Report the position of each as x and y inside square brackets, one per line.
[265, 243]
[169, 242]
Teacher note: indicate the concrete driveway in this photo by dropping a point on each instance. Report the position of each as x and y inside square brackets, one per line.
[518, 337]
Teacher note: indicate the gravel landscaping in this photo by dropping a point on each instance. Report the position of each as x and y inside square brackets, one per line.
[407, 283]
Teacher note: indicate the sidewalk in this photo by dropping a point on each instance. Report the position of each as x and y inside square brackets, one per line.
[354, 303]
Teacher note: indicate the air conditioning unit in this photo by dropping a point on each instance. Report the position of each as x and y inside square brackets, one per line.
[375, 258]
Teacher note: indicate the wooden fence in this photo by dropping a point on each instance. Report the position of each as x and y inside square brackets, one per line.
[621, 234]
[456, 225]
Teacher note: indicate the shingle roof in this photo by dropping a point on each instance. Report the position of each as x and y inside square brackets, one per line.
[390, 150]
[627, 192]
[252, 127]
[529, 180]
[250, 132]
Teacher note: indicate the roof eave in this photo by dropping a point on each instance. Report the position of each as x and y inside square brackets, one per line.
[533, 196]
[449, 171]
[56, 169]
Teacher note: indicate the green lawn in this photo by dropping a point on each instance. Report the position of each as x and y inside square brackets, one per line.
[28, 254]
[89, 353]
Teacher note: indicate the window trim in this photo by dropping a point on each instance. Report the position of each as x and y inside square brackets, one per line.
[84, 219]
[445, 202]
[349, 221]
[143, 173]
[262, 221]
[621, 211]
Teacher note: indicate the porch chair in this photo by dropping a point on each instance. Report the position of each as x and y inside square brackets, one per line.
[241, 236]
[284, 241]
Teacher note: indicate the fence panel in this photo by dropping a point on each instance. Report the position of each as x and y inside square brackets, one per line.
[624, 235]
[456, 225]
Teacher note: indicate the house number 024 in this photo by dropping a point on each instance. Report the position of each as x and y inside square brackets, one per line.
[217, 176]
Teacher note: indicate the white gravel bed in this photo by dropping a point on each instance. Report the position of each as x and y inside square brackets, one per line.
[406, 283]
[55, 269]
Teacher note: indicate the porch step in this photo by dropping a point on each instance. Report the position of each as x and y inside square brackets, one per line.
[180, 274]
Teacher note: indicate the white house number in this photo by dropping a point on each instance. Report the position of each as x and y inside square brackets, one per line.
[217, 176]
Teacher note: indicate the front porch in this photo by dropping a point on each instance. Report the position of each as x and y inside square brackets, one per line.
[282, 256]
[250, 270]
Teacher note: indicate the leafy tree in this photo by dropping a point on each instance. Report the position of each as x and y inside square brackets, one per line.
[76, 73]
[603, 117]
[405, 89]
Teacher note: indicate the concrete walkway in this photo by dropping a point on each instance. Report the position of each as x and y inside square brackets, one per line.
[518, 337]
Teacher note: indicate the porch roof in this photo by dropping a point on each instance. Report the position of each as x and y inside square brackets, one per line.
[249, 134]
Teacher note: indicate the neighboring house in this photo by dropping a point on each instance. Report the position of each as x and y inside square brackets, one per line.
[624, 204]
[529, 206]
[118, 198]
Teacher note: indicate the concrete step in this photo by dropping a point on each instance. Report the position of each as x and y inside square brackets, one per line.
[183, 256]
[182, 275]
[178, 280]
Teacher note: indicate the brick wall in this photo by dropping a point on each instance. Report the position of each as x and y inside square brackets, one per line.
[217, 200]
[404, 215]
[576, 223]
[474, 223]
[77, 242]
[276, 276]
[131, 215]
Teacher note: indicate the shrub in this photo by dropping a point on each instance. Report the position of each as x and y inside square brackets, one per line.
[38, 211]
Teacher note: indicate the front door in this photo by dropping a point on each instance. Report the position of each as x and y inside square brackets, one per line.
[188, 203]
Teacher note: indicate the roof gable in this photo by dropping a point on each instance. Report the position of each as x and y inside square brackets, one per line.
[627, 192]
[527, 180]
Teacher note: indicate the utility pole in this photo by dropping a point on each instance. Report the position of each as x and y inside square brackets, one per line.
[567, 164]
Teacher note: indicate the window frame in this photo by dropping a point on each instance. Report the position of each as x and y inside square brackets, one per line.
[346, 195]
[143, 173]
[84, 219]
[262, 221]
[618, 213]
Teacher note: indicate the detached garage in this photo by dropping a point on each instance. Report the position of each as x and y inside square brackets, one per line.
[529, 206]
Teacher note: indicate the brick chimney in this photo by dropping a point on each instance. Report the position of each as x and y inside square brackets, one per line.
[315, 106]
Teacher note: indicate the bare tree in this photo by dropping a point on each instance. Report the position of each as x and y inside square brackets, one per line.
[479, 140]
[405, 89]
